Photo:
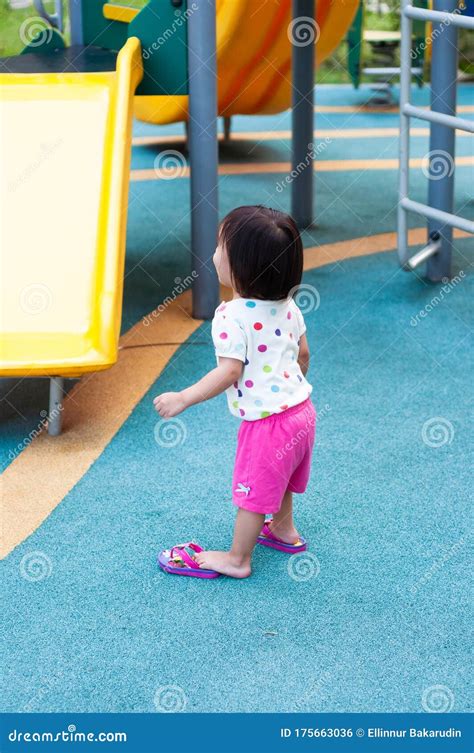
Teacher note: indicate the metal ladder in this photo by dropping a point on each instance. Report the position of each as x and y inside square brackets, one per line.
[446, 20]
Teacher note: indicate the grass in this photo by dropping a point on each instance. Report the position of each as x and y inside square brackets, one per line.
[11, 24]
[382, 22]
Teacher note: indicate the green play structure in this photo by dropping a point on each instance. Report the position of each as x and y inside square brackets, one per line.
[384, 46]
[99, 25]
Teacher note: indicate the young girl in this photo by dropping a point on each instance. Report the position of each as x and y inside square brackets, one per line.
[262, 355]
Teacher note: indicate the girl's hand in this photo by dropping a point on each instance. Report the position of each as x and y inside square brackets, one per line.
[169, 404]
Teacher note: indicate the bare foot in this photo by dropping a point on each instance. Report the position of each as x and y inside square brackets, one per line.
[285, 532]
[225, 563]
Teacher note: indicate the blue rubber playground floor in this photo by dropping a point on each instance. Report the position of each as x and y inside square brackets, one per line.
[377, 617]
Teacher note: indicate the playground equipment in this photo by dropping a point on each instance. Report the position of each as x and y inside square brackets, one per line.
[254, 56]
[446, 18]
[384, 45]
[67, 121]
[65, 150]
[63, 307]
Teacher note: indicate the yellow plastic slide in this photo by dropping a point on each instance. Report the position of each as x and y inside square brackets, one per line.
[254, 44]
[64, 167]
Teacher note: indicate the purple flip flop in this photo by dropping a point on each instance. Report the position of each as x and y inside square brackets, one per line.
[267, 538]
[168, 560]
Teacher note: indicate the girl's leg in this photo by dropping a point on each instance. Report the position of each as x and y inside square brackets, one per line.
[236, 563]
[282, 523]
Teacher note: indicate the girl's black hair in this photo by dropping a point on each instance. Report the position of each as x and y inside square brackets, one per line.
[265, 252]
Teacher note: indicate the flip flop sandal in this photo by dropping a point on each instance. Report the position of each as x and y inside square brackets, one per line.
[179, 561]
[267, 538]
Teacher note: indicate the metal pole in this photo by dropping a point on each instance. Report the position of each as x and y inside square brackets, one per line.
[404, 143]
[442, 17]
[56, 391]
[423, 255]
[203, 153]
[56, 19]
[227, 128]
[75, 19]
[444, 68]
[303, 35]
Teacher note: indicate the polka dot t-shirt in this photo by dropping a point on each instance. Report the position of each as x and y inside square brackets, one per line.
[265, 336]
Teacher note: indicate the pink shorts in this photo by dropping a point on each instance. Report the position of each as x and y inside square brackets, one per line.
[273, 455]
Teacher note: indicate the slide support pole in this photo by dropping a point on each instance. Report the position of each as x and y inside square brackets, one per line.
[203, 154]
[444, 65]
[303, 33]
[56, 391]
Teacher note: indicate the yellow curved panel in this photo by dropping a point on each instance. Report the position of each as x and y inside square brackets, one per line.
[119, 13]
[64, 166]
[254, 57]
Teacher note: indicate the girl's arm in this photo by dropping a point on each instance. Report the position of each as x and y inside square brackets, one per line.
[169, 404]
[303, 355]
